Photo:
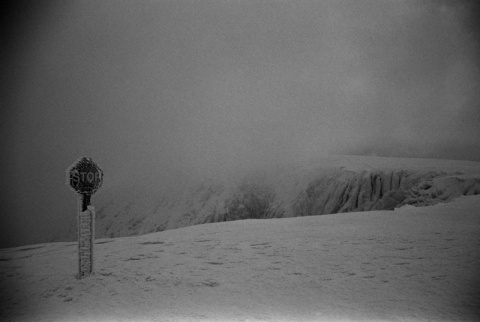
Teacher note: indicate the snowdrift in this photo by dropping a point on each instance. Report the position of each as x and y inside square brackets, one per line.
[334, 184]
[410, 264]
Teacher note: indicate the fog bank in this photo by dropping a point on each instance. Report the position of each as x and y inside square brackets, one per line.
[188, 89]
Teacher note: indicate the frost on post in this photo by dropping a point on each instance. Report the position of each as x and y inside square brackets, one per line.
[86, 237]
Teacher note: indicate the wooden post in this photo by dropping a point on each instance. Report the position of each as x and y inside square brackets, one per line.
[86, 237]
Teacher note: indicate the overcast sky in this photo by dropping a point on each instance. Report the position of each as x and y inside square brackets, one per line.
[200, 87]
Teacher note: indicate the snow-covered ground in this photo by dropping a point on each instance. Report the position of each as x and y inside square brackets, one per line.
[409, 264]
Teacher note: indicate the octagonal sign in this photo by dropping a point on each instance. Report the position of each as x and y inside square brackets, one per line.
[85, 176]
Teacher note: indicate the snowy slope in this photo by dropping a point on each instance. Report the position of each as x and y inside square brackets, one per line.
[410, 264]
[322, 186]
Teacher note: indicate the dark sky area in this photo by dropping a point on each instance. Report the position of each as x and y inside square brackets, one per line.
[185, 89]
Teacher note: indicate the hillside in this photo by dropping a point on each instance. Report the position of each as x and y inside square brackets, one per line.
[333, 184]
[410, 264]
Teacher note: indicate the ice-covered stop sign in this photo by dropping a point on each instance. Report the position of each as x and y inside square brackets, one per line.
[85, 176]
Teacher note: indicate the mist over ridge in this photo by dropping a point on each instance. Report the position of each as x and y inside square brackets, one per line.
[326, 185]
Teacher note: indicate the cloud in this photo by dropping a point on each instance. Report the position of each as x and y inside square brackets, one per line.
[191, 89]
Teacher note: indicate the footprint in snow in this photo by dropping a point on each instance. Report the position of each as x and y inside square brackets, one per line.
[153, 243]
[260, 246]
[214, 263]
[210, 283]
[404, 248]
[438, 277]
[29, 248]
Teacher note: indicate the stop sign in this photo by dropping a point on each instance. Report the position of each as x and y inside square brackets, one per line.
[85, 176]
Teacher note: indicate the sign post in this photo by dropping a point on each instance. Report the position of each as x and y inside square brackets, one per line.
[85, 177]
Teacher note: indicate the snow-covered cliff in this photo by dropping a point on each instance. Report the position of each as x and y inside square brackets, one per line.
[347, 191]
